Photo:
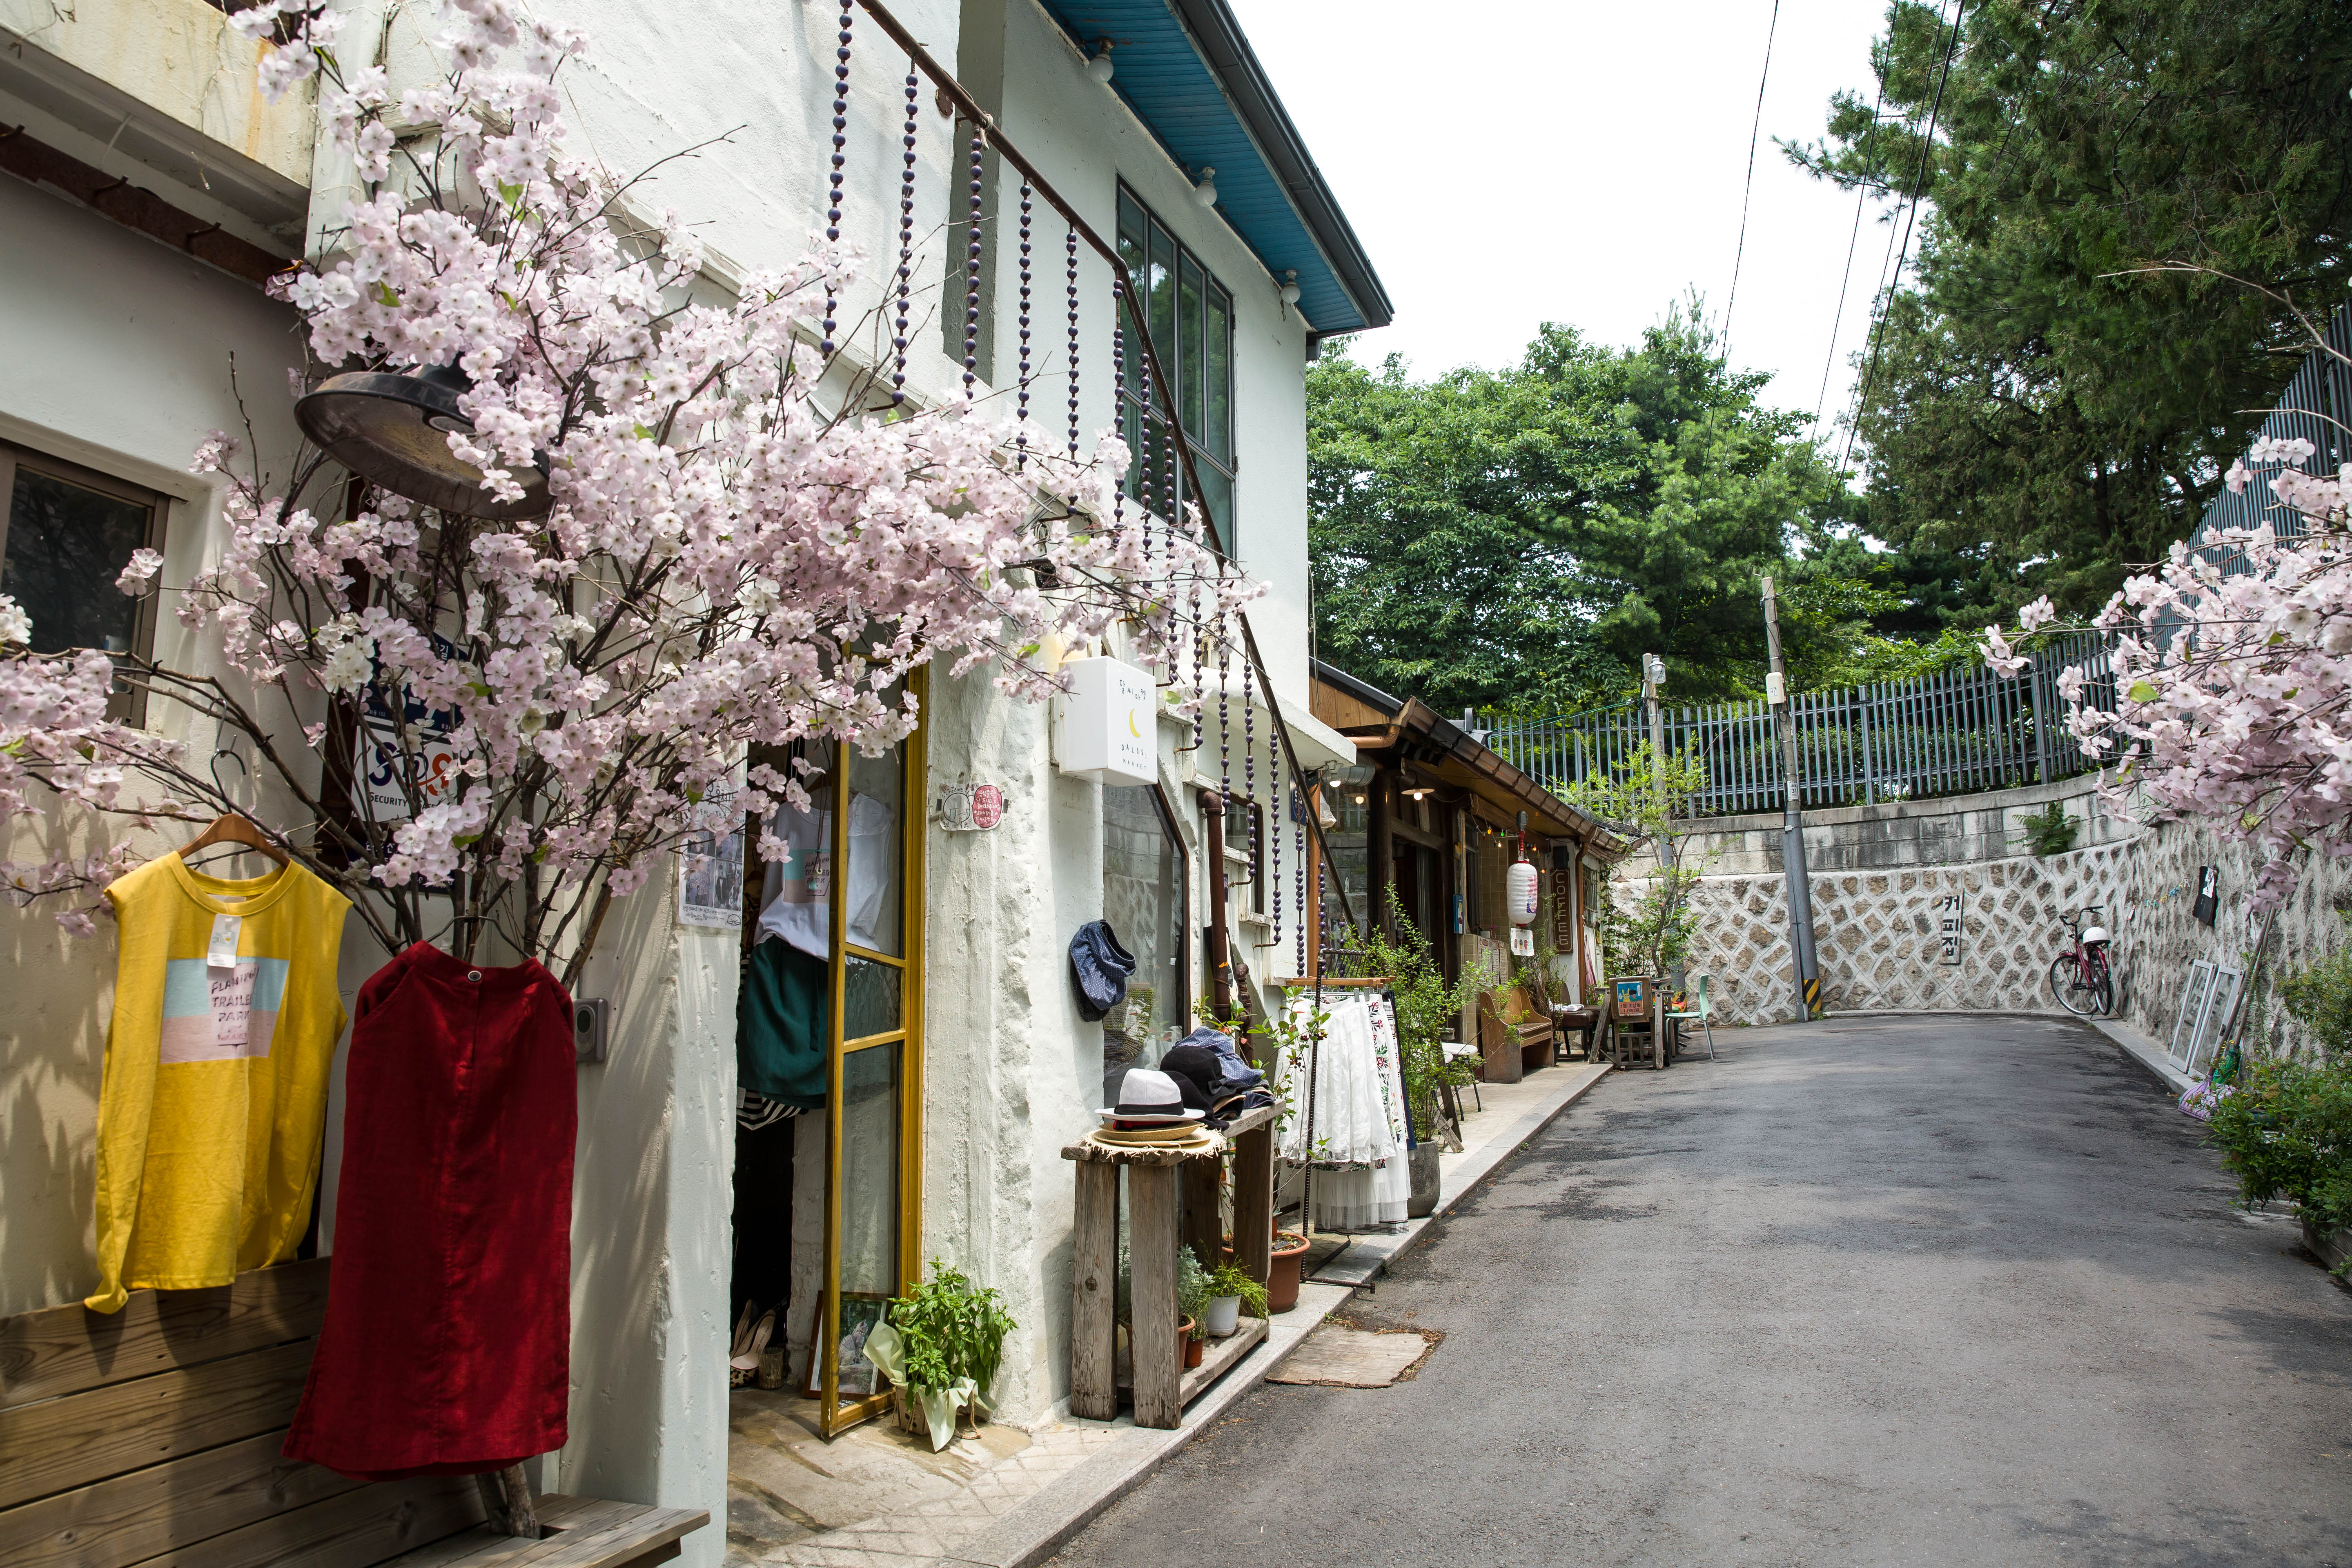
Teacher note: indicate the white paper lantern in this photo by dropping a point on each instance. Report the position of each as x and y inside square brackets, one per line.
[1519, 892]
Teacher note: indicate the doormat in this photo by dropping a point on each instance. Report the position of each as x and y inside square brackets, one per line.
[1337, 1356]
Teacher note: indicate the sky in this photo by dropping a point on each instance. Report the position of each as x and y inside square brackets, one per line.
[1522, 160]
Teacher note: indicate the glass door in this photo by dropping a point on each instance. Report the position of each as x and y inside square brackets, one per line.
[873, 1089]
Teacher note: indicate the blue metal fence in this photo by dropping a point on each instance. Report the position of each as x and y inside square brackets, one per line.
[1952, 732]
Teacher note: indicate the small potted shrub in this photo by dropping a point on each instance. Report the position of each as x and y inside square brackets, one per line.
[940, 1345]
[1192, 1297]
[1230, 1292]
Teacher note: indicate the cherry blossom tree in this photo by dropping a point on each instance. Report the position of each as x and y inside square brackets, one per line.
[2231, 673]
[751, 543]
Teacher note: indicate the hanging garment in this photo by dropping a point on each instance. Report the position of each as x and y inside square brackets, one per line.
[780, 1025]
[446, 1347]
[796, 892]
[1356, 1141]
[214, 1096]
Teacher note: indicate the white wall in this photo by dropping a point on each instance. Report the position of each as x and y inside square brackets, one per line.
[119, 352]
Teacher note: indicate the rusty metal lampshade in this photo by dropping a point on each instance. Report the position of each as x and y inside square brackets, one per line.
[392, 429]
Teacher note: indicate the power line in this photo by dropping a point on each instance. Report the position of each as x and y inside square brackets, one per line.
[1853, 240]
[1748, 189]
[1918, 185]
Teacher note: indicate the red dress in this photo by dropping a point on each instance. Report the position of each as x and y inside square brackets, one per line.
[446, 1347]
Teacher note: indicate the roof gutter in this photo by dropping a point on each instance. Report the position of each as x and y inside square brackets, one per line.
[1219, 37]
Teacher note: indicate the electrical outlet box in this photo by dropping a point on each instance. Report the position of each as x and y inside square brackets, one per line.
[591, 1024]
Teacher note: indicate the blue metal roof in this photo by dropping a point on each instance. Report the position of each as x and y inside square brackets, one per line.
[1189, 75]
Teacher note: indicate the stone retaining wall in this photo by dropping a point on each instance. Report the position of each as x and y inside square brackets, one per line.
[1878, 933]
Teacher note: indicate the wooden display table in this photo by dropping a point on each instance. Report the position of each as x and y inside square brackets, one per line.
[1171, 1201]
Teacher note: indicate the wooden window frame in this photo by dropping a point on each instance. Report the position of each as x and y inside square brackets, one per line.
[129, 706]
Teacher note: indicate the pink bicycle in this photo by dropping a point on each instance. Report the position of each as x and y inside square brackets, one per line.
[2082, 977]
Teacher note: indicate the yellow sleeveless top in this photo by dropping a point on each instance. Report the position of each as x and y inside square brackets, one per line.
[215, 1094]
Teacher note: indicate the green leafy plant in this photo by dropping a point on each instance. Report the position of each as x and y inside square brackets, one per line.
[942, 1342]
[1428, 1010]
[2050, 831]
[2287, 1133]
[2319, 998]
[1230, 1279]
[1645, 801]
[1192, 1292]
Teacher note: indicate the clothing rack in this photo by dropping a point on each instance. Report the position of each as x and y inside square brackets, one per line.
[1314, 1061]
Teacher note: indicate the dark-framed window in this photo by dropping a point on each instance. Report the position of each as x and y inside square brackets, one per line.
[1191, 320]
[67, 533]
[1147, 899]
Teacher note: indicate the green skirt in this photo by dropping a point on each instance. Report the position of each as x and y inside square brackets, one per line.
[779, 1026]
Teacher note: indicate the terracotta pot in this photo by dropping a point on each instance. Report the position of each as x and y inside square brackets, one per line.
[1188, 1349]
[1282, 1278]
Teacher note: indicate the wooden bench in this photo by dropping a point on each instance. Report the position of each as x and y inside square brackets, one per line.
[153, 1436]
[1513, 1035]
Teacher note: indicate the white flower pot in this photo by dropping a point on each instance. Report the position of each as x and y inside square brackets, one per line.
[1224, 1315]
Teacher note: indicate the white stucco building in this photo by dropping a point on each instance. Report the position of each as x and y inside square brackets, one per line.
[148, 190]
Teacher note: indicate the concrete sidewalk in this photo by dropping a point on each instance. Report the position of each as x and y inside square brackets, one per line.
[981, 1505]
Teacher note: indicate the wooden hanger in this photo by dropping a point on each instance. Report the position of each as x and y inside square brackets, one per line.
[232, 828]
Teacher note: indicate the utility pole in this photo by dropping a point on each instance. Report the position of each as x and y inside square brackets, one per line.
[1654, 678]
[1807, 968]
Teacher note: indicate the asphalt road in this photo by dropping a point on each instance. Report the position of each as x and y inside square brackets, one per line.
[1940, 1290]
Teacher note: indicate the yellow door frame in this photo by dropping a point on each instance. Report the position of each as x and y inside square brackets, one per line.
[834, 1417]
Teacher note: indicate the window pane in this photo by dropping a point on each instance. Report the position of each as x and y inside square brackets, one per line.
[869, 1204]
[1216, 428]
[67, 544]
[1188, 337]
[1131, 226]
[869, 999]
[1143, 900]
[1130, 354]
[1216, 498]
[1161, 292]
[874, 844]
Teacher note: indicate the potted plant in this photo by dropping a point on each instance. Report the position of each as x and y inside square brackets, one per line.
[1231, 1291]
[1193, 1298]
[1282, 1277]
[940, 1345]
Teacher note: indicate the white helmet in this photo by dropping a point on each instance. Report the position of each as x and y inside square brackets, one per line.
[2095, 936]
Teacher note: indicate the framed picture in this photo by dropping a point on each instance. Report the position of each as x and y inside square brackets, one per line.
[1631, 998]
[710, 880]
[859, 1377]
[2220, 996]
[2195, 999]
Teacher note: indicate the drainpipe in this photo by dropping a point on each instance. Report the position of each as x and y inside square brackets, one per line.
[1805, 966]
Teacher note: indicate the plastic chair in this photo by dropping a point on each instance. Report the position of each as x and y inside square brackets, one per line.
[1701, 987]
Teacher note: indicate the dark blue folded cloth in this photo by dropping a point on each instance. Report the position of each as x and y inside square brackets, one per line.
[1101, 967]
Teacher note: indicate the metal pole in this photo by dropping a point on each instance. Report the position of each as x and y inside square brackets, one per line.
[1802, 962]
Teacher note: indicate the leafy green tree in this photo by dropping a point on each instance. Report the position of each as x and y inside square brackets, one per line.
[1519, 539]
[2045, 400]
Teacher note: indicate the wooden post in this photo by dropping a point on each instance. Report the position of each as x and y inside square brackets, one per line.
[1254, 1203]
[1379, 849]
[1094, 1294]
[1151, 1276]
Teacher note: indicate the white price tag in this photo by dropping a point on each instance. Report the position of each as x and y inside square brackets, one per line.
[222, 954]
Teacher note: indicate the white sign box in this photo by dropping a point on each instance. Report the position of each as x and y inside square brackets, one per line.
[1104, 725]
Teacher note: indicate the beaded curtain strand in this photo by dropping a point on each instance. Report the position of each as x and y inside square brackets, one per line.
[1117, 379]
[1021, 426]
[840, 142]
[1249, 761]
[1071, 248]
[1224, 717]
[906, 250]
[971, 265]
